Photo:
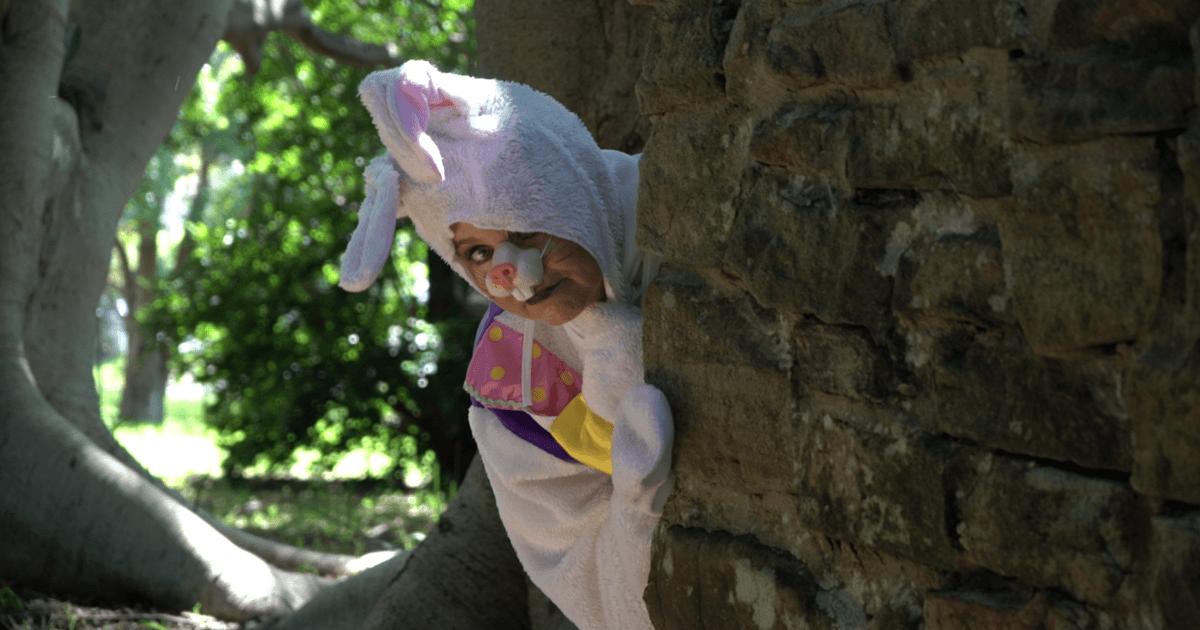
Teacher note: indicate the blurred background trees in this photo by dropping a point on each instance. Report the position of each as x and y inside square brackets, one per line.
[227, 262]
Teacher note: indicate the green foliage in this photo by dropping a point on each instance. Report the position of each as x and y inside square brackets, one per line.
[9, 599]
[295, 361]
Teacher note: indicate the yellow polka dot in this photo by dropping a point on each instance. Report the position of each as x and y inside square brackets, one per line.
[566, 378]
[495, 333]
[539, 394]
[497, 373]
[537, 351]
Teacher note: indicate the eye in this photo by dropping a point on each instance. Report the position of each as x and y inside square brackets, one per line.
[479, 254]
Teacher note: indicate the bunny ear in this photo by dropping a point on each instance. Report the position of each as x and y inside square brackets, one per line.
[401, 102]
[372, 240]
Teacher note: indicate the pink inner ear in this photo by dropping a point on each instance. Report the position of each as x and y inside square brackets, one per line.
[414, 107]
[418, 99]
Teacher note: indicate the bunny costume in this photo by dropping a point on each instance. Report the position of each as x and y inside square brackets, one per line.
[576, 445]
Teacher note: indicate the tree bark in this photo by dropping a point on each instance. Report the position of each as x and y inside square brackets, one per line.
[465, 576]
[143, 397]
[80, 516]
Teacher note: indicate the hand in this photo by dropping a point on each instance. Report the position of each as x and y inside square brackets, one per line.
[643, 434]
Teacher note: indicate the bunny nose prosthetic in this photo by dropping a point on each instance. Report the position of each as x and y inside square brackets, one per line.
[515, 271]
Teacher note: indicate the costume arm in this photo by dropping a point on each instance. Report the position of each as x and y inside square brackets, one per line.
[587, 549]
[609, 338]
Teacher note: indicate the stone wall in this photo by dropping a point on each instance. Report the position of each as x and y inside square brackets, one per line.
[929, 323]
[585, 54]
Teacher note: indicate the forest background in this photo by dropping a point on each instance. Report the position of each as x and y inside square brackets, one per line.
[229, 361]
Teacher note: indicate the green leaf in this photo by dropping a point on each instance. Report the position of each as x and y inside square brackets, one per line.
[9, 599]
[257, 300]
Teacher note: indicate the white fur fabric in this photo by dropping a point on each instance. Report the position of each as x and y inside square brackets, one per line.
[502, 156]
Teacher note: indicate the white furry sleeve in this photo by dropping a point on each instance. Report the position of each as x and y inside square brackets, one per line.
[587, 548]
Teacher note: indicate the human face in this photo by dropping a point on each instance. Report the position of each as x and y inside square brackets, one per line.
[571, 278]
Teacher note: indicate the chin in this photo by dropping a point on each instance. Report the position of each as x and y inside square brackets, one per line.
[557, 316]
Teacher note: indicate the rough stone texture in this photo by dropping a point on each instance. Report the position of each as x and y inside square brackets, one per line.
[1003, 607]
[1067, 99]
[689, 72]
[1165, 404]
[1075, 532]
[841, 42]
[1176, 570]
[1164, 383]
[745, 585]
[941, 131]
[1082, 245]
[690, 222]
[930, 320]
[597, 56]
[800, 245]
[952, 27]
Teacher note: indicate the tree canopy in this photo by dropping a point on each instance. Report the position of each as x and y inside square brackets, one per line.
[292, 360]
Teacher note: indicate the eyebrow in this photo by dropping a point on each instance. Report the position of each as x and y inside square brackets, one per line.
[463, 243]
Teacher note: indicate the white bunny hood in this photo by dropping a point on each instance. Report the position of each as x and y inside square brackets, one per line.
[493, 154]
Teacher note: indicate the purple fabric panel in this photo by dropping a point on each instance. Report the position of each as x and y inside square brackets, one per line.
[520, 423]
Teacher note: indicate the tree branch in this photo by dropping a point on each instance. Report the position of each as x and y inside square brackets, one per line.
[250, 21]
[188, 244]
[126, 269]
[343, 49]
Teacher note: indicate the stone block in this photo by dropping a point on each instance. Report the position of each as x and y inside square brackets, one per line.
[848, 43]
[819, 474]
[805, 138]
[691, 319]
[1188, 157]
[715, 581]
[690, 175]
[1082, 246]
[1164, 406]
[843, 361]
[887, 589]
[684, 55]
[1176, 569]
[939, 133]
[1073, 99]
[989, 388]
[703, 346]
[1002, 608]
[596, 62]
[1052, 528]
[801, 247]
[1141, 25]
[953, 277]
[951, 27]
[884, 492]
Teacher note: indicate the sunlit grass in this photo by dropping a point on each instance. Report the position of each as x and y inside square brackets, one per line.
[333, 511]
[342, 517]
[181, 447]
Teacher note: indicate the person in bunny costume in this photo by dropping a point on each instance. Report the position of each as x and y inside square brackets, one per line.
[511, 190]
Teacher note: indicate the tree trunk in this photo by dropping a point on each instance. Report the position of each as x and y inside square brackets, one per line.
[80, 516]
[426, 588]
[145, 390]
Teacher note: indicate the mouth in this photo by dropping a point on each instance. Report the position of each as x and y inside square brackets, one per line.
[542, 294]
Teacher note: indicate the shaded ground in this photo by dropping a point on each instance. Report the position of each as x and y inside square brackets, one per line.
[26, 609]
[342, 516]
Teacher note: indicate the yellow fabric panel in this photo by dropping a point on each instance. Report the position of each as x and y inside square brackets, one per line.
[584, 435]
